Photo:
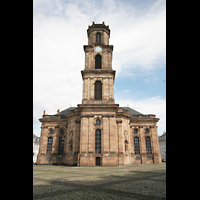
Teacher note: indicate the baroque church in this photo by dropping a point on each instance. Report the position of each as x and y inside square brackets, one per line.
[98, 132]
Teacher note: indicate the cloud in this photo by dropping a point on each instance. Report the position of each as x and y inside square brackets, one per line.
[151, 79]
[137, 33]
[153, 105]
[59, 33]
[127, 91]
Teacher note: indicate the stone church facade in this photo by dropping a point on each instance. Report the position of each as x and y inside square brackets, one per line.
[98, 132]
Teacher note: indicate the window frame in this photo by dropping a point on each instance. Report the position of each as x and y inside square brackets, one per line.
[61, 145]
[136, 145]
[50, 131]
[98, 61]
[98, 90]
[146, 131]
[63, 131]
[98, 122]
[135, 130]
[97, 141]
[49, 145]
[98, 37]
[148, 145]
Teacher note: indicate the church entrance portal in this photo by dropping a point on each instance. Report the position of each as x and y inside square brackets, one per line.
[98, 161]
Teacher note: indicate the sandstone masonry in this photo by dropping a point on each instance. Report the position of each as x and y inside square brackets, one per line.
[98, 131]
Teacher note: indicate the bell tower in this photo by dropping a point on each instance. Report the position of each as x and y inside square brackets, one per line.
[98, 76]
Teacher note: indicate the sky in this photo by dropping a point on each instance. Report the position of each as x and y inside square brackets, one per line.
[138, 34]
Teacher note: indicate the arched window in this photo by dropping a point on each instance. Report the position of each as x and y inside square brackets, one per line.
[61, 146]
[97, 61]
[98, 90]
[148, 144]
[126, 145]
[98, 141]
[98, 37]
[49, 145]
[136, 145]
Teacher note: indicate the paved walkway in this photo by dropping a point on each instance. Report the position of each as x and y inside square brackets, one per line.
[137, 182]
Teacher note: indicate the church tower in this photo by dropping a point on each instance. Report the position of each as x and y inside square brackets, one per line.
[98, 132]
[98, 76]
[98, 109]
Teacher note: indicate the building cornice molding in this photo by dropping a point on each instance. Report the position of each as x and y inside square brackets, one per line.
[90, 47]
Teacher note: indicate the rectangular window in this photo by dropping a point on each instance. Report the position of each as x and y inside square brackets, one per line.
[136, 145]
[49, 145]
[61, 146]
[148, 145]
[98, 90]
[97, 141]
[98, 63]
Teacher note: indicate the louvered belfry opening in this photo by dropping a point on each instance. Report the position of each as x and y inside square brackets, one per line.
[98, 62]
[98, 37]
[98, 90]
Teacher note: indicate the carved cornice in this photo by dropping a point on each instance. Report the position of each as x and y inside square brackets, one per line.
[92, 115]
[119, 121]
[44, 127]
[135, 120]
[108, 115]
[52, 120]
[123, 114]
[98, 71]
[89, 48]
[77, 121]
[98, 27]
[87, 115]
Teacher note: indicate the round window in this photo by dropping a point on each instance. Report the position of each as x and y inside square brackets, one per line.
[147, 130]
[98, 122]
[50, 131]
[59, 158]
[135, 131]
[61, 131]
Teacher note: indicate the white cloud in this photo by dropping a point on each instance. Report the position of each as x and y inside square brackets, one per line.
[154, 79]
[59, 33]
[154, 105]
[127, 91]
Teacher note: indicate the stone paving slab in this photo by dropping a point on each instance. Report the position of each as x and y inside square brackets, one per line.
[137, 182]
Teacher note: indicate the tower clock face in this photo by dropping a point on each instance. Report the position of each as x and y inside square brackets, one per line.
[98, 49]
